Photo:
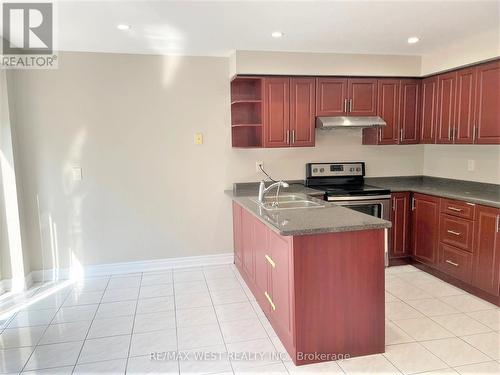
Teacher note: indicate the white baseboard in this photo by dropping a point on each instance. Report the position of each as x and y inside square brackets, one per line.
[131, 267]
[6, 284]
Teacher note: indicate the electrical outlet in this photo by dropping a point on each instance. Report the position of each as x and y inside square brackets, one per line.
[471, 165]
[258, 165]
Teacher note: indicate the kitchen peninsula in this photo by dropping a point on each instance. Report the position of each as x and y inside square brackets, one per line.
[316, 272]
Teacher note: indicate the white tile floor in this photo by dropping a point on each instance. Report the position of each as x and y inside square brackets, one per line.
[112, 324]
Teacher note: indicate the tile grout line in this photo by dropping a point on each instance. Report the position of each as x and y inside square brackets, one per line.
[133, 322]
[92, 322]
[218, 322]
[44, 331]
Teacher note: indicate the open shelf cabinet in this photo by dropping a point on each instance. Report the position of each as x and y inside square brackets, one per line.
[246, 112]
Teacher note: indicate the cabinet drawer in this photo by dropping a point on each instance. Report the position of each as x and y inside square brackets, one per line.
[456, 232]
[455, 262]
[458, 208]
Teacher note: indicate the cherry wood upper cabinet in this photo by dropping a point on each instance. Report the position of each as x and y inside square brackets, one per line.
[487, 103]
[465, 103]
[400, 231]
[486, 250]
[409, 111]
[362, 95]
[446, 107]
[276, 112]
[388, 109]
[425, 228]
[302, 112]
[331, 96]
[429, 110]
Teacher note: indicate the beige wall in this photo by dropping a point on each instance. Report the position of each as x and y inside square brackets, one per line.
[147, 191]
[463, 52]
[451, 161]
[255, 62]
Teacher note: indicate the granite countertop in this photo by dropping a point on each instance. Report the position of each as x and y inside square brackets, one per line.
[305, 221]
[468, 191]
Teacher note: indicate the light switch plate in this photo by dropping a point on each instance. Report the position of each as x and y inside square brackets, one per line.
[198, 139]
[77, 173]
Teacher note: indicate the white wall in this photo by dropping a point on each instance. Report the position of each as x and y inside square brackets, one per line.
[451, 161]
[300, 63]
[147, 191]
[479, 47]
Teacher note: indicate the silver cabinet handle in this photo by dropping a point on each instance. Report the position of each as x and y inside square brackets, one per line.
[288, 137]
[452, 263]
[449, 132]
[413, 203]
[350, 105]
[394, 203]
[474, 133]
[498, 223]
[453, 232]
[401, 134]
[293, 136]
[345, 105]
[455, 209]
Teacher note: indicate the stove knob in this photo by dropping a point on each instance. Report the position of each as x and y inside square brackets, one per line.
[315, 170]
[352, 169]
[322, 170]
[358, 169]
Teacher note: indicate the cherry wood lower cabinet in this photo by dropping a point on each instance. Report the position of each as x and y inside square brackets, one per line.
[425, 228]
[400, 231]
[486, 257]
[323, 294]
[457, 241]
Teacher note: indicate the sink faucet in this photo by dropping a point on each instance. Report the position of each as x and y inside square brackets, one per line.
[263, 190]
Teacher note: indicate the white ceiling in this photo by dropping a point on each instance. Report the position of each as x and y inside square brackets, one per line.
[216, 28]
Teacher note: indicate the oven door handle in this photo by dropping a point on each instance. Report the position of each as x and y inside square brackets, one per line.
[357, 198]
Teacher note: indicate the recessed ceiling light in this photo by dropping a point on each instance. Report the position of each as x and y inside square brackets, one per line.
[413, 40]
[277, 34]
[123, 26]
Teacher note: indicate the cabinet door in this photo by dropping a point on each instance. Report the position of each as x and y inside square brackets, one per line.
[486, 254]
[281, 275]
[262, 251]
[388, 109]
[331, 96]
[425, 224]
[237, 234]
[302, 111]
[487, 108]
[276, 112]
[362, 94]
[409, 111]
[465, 102]
[400, 217]
[446, 107]
[248, 253]
[428, 111]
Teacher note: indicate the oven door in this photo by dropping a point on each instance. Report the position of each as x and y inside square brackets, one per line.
[380, 208]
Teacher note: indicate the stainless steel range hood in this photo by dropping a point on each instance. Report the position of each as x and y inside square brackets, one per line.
[349, 122]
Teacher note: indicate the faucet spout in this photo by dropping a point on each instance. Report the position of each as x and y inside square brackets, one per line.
[263, 190]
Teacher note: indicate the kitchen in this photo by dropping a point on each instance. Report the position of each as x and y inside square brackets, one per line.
[137, 162]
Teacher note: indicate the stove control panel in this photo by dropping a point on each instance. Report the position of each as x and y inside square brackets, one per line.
[335, 169]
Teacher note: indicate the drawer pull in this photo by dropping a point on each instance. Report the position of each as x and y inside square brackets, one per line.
[271, 262]
[453, 232]
[452, 263]
[270, 300]
[455, 209]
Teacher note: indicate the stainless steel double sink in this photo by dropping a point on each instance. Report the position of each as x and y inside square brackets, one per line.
[288, 202]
